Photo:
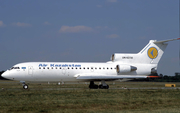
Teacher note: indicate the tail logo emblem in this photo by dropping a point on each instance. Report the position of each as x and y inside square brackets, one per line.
[152, 53]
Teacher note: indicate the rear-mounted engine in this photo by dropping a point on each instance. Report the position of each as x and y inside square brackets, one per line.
[125, 68]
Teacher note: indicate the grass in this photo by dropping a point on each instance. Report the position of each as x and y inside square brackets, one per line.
[40, 98]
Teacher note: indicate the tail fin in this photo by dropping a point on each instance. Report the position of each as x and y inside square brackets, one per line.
[153, 51]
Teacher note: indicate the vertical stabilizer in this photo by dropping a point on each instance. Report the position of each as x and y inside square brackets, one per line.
[153, 51]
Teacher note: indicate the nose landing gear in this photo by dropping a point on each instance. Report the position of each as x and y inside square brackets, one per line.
[25, 86]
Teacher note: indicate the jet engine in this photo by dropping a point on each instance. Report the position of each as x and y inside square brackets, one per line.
[125, 68]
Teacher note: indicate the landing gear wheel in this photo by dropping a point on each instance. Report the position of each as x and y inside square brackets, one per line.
[25, 86]
[103, 87]
[93, 86]
[107, 87]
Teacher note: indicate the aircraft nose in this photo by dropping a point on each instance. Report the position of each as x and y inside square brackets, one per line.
[5, 75]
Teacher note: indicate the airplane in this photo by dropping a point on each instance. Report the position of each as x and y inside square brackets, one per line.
[121, 66]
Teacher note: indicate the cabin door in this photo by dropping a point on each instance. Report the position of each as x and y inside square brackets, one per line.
[30, 70]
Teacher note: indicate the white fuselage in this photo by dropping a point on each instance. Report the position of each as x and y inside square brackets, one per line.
[68, 71]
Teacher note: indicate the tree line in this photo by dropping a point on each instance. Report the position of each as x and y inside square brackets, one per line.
[161, 78]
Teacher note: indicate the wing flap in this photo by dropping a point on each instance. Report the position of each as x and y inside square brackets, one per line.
[106, 77]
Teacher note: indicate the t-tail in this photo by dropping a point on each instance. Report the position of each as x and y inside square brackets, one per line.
[150, 54]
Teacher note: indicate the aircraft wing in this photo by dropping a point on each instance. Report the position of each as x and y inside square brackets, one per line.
[108, 77]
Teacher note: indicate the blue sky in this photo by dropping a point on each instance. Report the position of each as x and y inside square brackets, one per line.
[86, 30]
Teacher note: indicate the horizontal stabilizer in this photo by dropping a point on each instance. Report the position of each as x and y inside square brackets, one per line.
[166, 40]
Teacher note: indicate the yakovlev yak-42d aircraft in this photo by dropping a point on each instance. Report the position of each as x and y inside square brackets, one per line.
[121, 66]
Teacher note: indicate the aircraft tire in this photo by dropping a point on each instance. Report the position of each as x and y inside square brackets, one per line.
[93, 86]
[100, 87]
[107, 87]
[103, 87]
[25, 86]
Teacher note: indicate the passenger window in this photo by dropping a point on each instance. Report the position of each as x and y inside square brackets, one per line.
[72, 67]
[48, 68]
[99, 68]
[107, 68]
[84, 67]
[60, 68]
[39, 67]
[87, 68]
[111, 68]
[43, 67]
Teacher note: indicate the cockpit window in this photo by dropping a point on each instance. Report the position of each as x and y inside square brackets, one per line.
[14, 68]
[11, 68]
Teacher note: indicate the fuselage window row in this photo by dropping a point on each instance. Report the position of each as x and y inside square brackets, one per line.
[79, 68]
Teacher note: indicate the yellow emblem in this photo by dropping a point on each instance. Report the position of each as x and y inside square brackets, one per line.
[152, 52]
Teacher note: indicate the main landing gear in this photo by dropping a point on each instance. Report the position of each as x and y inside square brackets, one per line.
[101, 86]
[92, 85]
